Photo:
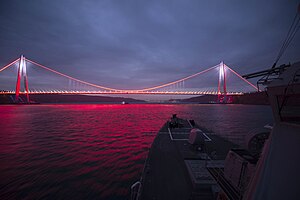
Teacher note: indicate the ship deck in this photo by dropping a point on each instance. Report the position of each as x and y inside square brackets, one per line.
[175, 169]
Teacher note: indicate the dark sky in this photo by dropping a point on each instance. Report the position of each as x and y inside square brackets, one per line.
[135, 44]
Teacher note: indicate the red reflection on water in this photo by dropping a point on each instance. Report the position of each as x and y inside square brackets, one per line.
[95, 151]
[90, 151]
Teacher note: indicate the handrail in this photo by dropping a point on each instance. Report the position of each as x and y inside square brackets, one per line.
[135, 193]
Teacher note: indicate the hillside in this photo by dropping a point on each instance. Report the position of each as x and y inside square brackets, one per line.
[56, 98]
[257, 98]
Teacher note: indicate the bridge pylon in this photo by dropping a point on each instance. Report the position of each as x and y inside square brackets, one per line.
[22, 73]
[222, 96]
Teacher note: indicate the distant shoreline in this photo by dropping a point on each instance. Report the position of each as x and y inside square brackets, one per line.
[258, 98]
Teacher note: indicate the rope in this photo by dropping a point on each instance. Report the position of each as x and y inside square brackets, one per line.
[289, 37]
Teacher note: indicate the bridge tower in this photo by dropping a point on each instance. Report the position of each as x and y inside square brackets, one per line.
[222, 82]
[22, 74]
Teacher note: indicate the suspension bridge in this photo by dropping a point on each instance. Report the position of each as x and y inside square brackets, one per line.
[218, 80]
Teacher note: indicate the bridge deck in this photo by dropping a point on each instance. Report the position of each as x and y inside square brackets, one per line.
[121, 92]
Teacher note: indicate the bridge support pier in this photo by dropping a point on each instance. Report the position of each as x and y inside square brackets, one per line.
[222, 80]
[22, 73]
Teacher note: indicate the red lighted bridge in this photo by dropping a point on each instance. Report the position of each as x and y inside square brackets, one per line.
[178, 87]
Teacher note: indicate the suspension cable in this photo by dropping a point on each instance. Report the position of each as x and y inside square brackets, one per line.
[69, 77]
[242, 77]
[113, 89]
[121, 90]
[10, 64]
[180, 80]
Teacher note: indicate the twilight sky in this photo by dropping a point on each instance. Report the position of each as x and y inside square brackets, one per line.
[136, 44]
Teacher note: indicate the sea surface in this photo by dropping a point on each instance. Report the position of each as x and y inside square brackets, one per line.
[95, 151]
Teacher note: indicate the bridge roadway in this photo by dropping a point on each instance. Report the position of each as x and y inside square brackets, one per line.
[125, 92]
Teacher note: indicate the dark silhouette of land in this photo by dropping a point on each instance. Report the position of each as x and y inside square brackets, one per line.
[57, 98]
[257, 98]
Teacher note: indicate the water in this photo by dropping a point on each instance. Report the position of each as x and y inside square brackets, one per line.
[96, 151]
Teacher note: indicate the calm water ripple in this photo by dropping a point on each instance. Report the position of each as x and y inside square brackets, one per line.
[96, 151]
